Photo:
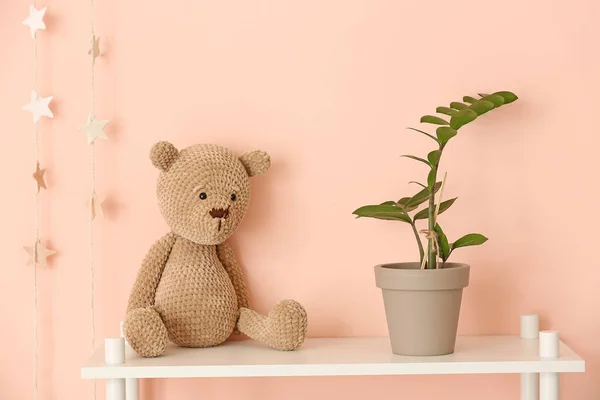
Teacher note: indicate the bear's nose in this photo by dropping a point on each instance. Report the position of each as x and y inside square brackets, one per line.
[219, 212]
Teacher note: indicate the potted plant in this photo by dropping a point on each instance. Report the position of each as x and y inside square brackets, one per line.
[422, 299]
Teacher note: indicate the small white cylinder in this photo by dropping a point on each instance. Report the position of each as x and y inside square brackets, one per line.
[549, 344]
[114, 354]
[133, 388]
[549, 386]
[530, 326]
[114, 350]
[530, 386]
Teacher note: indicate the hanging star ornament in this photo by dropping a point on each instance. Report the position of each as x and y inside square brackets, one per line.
[94, 50]
[38, 175]
[38, 254]
[35, 20]
[95, 206]
[39, 106]
[94, 129]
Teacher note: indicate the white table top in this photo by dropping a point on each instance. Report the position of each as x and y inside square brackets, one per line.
[335, 357]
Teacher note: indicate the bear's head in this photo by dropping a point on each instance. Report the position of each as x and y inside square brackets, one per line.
[204, 190]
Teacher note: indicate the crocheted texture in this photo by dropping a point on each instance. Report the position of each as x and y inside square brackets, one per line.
[284, 328]
[144, 288]
[145, 332]
[204, 179]
[195, 296]
[255, 162]
[227, 258]
[163, 154]
[190, 288]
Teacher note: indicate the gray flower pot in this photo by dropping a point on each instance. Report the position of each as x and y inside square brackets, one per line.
[422, 306]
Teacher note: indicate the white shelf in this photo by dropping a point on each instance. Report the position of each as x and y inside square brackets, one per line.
[336, 357]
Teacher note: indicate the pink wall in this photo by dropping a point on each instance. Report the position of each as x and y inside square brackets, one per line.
[327, 88]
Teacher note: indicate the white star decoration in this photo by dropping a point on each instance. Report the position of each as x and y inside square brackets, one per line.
[38, 253]
[35, 20]
[94, 129]
[39, 106]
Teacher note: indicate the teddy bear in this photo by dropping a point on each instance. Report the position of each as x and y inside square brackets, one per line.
[190, 288]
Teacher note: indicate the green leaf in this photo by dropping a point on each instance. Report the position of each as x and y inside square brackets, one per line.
[445, 133]
[482, 106]
[462, 117]
[416, 158]
[445, 110]
[418, 183]
[483, 94]
[434, 157]
[386, 212]
[442, 243]
[422, 195]
[423, 132]
[458, 106]
[509, 97]
[431, 177]
[403, 203]
[423, 214]
[388, 203]
[497, 100]
[444, 205]
[472, 239]
[432, 119]
[469, 99]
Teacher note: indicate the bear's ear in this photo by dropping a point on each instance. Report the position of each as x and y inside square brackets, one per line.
[163, 155]
[256, 162]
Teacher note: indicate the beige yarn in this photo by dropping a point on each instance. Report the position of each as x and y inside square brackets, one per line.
[190, 288]
[283, 329]
[163, 154]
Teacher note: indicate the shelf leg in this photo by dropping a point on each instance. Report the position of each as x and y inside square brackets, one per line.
[132, 389]
[114, 353]
[529, 381]
[549, 386]
[549, 382]
[529, 386]
[132, 385]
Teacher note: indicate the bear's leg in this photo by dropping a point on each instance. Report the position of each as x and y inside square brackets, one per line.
[145, 332]
[283, 329]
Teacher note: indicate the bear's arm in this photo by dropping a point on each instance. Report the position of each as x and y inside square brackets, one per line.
[234, 271]
[144, 288]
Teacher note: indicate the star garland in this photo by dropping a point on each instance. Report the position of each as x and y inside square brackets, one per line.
[94, 129]
[95, 205]
[38, 175]
[35, 20]
[38, 253]
[39, 107]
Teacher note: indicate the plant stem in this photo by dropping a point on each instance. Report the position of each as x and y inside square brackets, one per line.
[431, 255]
[421, 251]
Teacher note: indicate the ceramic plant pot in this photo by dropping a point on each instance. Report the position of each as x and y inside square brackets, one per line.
[422, 306]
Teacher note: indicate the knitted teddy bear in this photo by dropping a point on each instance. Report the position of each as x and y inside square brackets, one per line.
[190, 288]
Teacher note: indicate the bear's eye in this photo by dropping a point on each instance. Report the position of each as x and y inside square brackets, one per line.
[202, 196]
[233, 197]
